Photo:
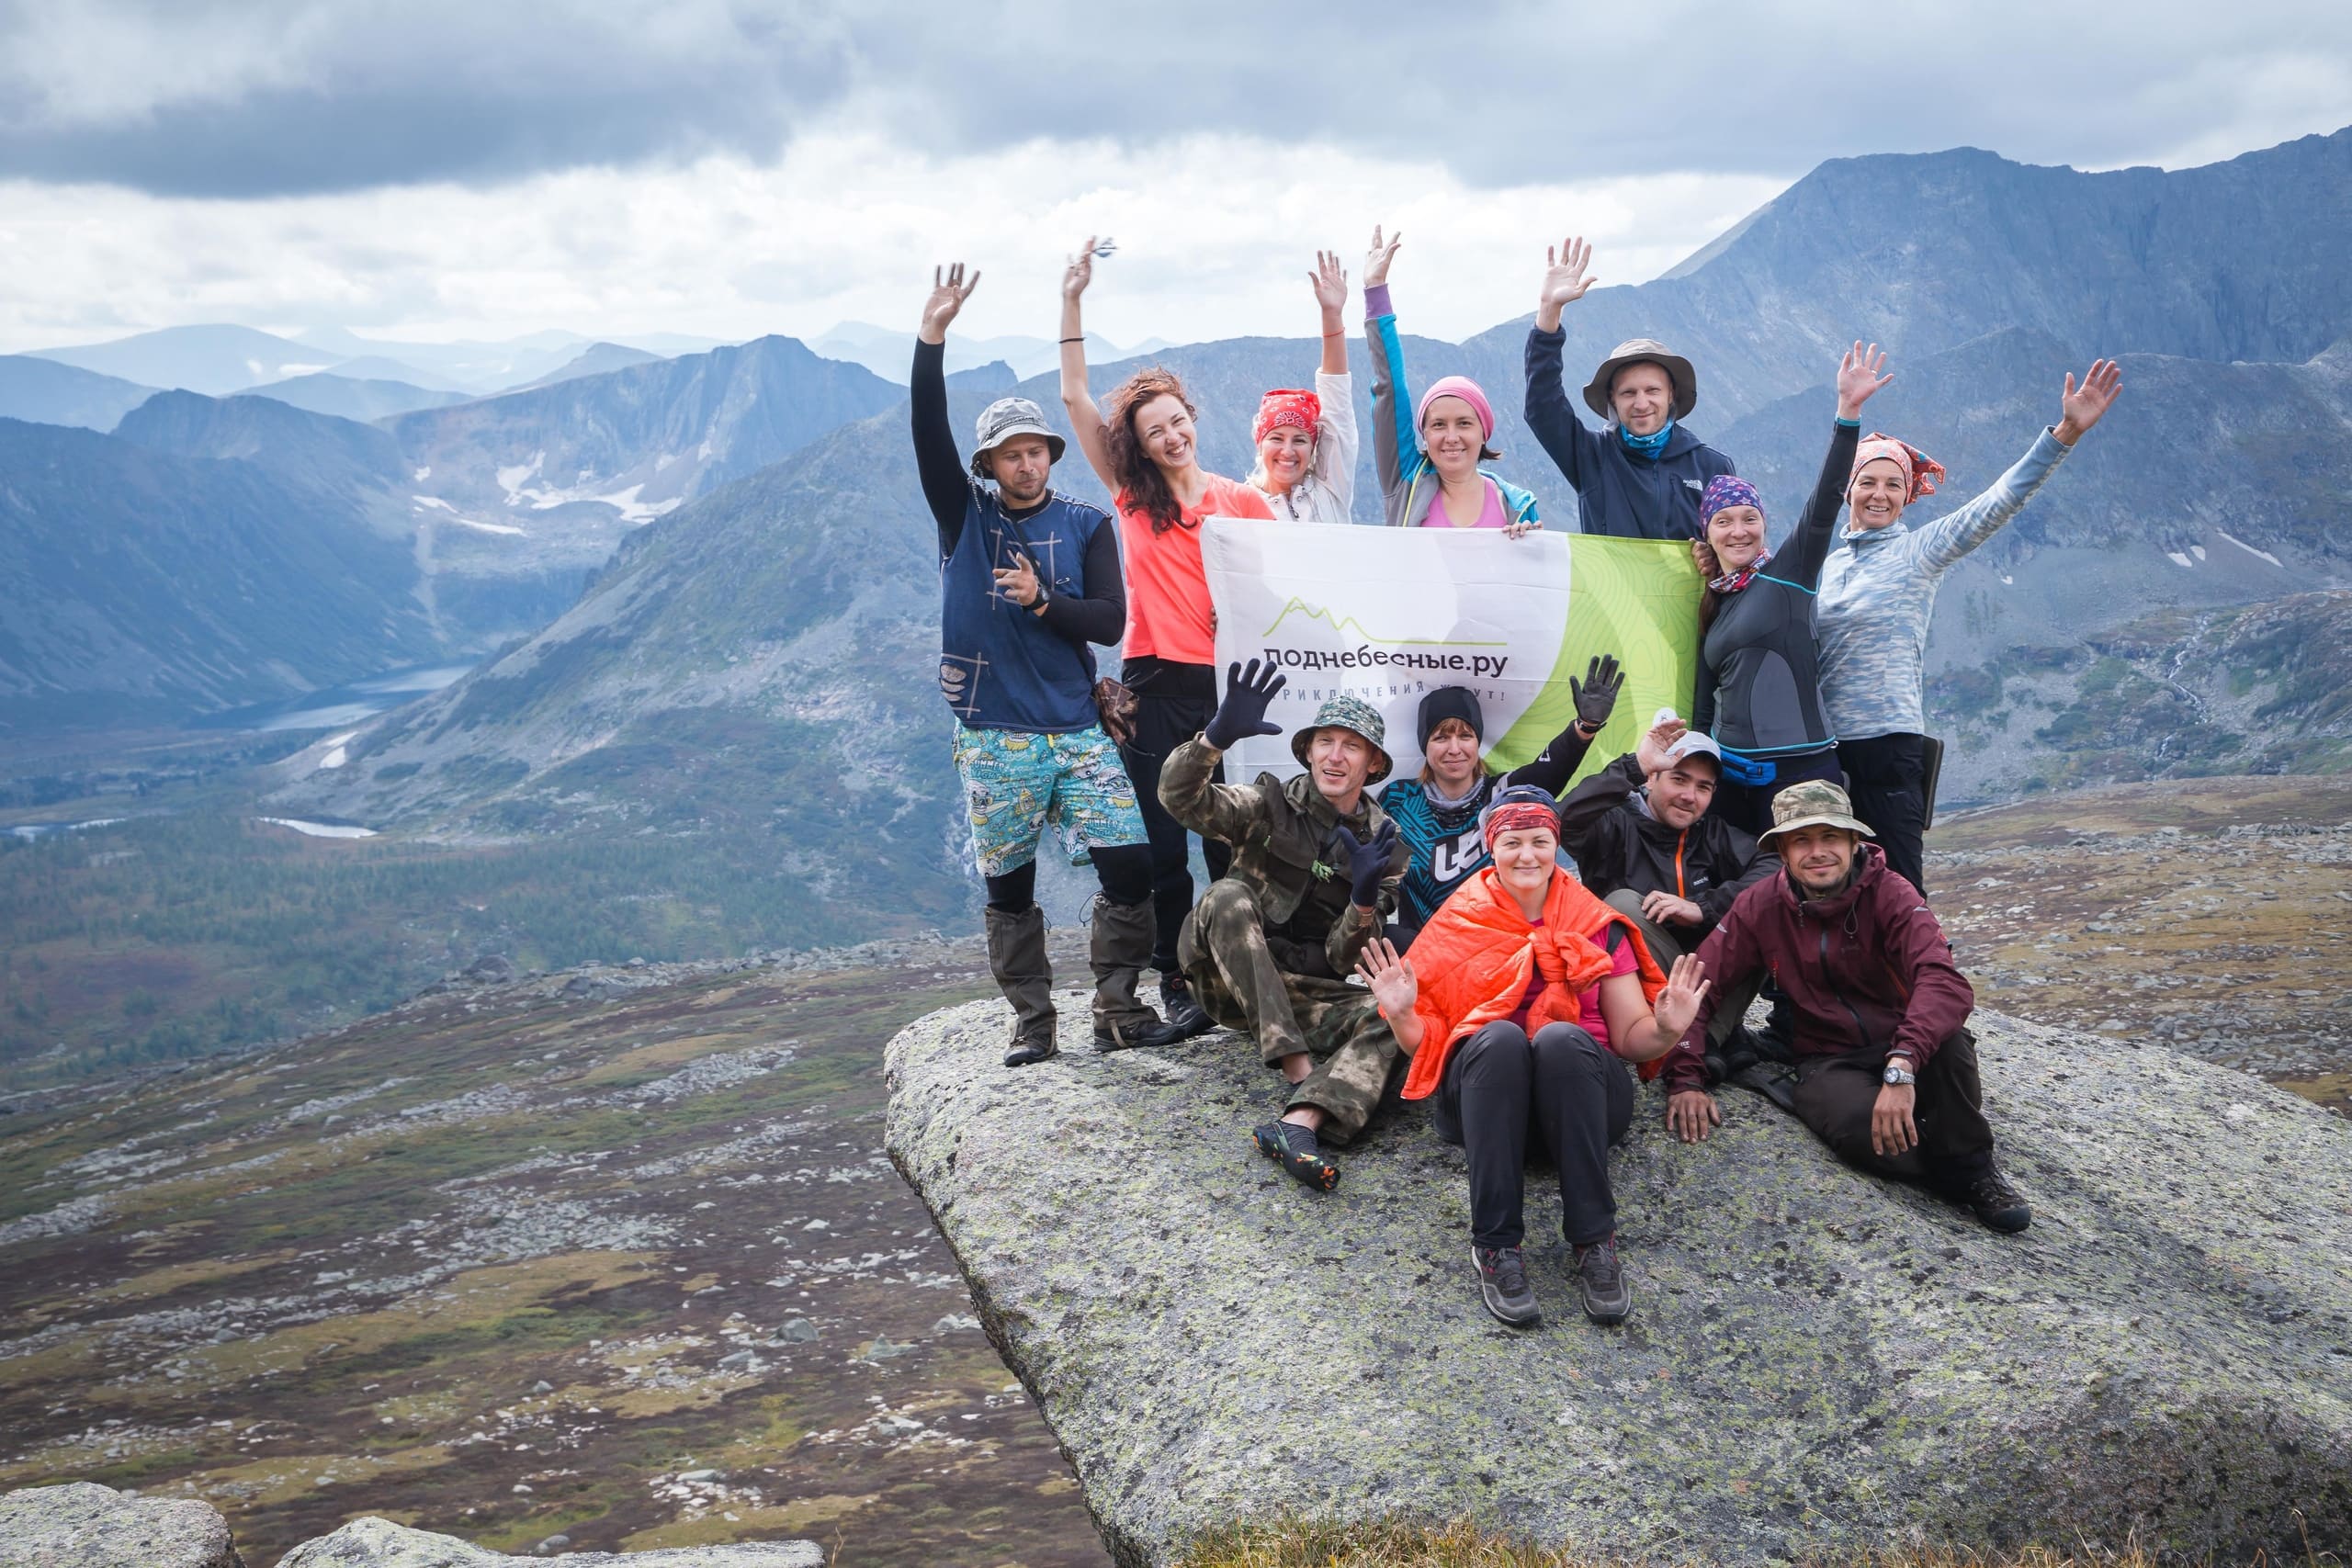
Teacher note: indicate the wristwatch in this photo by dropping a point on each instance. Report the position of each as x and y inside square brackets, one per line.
[1898, 1072]
[1037, 606]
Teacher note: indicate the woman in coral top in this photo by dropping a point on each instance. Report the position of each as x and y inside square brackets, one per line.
[1144, 448]
[1536, 996]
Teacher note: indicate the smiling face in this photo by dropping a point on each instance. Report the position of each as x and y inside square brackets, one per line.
[1736, 535]
[1877, 494]
[1451, 435]
[1340, 760]
[1286, 454]
[1523, 861]
[1819, 857]
[1022, 468]
[1642, 397]
[1164, 429]
[1453, 756]
[1681, 795]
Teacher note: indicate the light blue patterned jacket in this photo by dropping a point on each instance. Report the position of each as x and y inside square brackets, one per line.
[1878, 594]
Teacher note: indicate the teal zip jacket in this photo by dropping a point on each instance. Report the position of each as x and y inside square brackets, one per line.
[1408, 481]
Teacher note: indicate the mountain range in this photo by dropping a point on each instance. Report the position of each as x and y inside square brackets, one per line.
[758, 652]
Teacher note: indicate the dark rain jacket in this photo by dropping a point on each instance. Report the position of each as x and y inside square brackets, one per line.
[1619, 492]
[1867, 969]
[1618, 844]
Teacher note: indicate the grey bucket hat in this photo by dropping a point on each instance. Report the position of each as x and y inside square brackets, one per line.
[1344, 712]
[1636, 351]
[1815, 803]
[1004, 419]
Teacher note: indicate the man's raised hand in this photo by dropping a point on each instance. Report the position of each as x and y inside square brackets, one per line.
[1565, 281]
[1658, 740]
[1330, 280]
[1377, 260]
[2084, 406]
[1242, 714]
[1390, 975]
[949, 290]
[1859, 378]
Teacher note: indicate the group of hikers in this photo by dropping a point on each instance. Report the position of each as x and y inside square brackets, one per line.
[1420, 938]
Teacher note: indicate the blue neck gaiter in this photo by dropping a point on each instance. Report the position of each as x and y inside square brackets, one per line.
[1647, 445]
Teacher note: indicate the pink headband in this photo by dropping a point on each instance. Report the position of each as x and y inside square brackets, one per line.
[1920, 472]
[1468, 390]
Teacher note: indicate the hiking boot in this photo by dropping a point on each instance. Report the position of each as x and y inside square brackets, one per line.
[1601, 1278]
[1118, 946]
[1991, 1198]
[1184, 1010]
[1297, 1151]
[1017, 958]
[1502, 1284]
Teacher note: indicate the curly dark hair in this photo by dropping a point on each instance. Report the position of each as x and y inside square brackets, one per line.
[1142, 487]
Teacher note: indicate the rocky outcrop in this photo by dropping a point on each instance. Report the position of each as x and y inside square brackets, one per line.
[1816, 1360]
[83, 1525]
[379, 1543]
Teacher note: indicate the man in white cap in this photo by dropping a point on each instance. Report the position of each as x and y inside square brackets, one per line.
[1028, 579]
[1642, 476]
[1644, 841]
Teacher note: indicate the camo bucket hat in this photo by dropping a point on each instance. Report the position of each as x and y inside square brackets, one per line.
[1004, 419]
[1816, 803]
[1357, 716]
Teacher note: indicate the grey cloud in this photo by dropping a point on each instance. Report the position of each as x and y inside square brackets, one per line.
[301, 95]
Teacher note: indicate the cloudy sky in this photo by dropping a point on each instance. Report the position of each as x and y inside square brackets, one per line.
[444, 168]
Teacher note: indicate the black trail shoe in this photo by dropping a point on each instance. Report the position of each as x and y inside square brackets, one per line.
[1601, 1278]
[1296, 1149]
[1145, 1033]
[1991, 1198]
[1185, 1014]
[1029, 1052]
[1502, 1284]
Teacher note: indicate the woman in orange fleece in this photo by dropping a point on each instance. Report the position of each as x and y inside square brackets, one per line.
[1537, 995]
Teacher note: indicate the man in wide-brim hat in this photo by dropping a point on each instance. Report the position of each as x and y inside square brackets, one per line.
[1641, 476]
[1270, 946]
[1886, 1070]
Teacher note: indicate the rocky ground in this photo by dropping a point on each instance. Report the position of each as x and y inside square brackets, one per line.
[616, 1256]
[608, 1260]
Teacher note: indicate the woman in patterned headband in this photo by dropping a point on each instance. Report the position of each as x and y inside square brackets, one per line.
[1758, 694]
[1878, 594]
[1307, 441]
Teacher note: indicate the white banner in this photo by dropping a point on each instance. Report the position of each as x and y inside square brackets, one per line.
[1387, 615]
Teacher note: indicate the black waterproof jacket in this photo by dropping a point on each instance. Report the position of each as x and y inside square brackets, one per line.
[1617, 843]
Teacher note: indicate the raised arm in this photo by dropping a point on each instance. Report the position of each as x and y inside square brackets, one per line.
[1392, 427]
[1330, 283]
[1858, 379]
[945, 485]
[1336, 442]
[1085, 418]
[1570, 443]
[1594, 697]
[1944, 541]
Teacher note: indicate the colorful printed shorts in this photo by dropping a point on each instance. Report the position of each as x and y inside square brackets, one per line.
[1015, 782]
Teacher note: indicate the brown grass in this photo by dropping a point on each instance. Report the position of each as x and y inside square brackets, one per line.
[1316, 1543]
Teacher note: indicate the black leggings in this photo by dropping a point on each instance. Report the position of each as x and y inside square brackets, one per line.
[1174, 703]
[1887, 776]
[1578, 1098]
[1124, 871]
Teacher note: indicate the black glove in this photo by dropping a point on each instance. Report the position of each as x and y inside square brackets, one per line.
[1243, 712]
[1367, 864]
[1596, 695]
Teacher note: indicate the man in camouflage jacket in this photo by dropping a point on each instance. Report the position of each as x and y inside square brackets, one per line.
[1270, 946]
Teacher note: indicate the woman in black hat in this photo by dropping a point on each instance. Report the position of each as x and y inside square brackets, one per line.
[1438, 812]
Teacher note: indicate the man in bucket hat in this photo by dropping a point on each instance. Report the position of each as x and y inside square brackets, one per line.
[1028, 579]
[1270, 946]
[1885, 1073]
[1641, 476]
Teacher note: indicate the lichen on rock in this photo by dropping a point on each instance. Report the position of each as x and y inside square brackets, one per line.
[1817, 1360]
[84, 1525]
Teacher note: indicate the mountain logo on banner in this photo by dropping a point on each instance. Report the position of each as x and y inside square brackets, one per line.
[1349, 623]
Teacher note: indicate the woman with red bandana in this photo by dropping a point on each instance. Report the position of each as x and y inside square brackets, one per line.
[1522, 1002]
[1307, 441]
[1878, 594]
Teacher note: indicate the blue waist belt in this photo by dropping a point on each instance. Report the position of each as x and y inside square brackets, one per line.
[1753, 771]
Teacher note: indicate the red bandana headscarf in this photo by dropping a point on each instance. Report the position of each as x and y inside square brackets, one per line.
[1920, 472]
[1290, 406]
[1520, 807]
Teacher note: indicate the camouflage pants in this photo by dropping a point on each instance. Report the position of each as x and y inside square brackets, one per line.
[1223, 948]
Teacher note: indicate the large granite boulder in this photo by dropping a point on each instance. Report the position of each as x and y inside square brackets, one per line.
[1815, 1358]
[84, 1525]
[379, 1543]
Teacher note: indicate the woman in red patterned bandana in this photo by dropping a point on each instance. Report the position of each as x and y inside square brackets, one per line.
[1307, 441]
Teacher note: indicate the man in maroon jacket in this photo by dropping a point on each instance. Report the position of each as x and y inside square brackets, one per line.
[1886, 1075]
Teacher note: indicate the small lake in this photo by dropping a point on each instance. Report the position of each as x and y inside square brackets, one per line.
[336, 705]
